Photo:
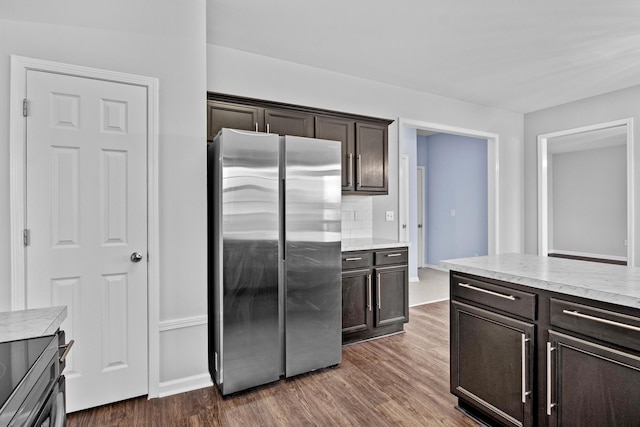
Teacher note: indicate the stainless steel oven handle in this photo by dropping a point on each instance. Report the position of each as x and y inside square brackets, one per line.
[486, 291]
[66, 347]
[601, 320]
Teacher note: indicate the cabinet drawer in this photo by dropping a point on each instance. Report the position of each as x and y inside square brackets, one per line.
[390, 256]
[605, 325]
[356, 260]
[512, 301]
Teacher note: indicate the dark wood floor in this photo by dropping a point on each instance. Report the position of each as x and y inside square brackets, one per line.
[397, 380]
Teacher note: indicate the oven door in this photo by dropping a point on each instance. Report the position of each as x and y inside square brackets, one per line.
[53, 413]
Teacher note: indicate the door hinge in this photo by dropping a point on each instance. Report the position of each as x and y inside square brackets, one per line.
[26, 236]
[25, 107]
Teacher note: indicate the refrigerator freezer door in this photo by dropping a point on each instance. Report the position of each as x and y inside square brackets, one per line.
[313, 296]
[247, 300]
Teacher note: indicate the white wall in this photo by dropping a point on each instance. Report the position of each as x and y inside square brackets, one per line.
[157, 38]
[598, 109]
[589, 209]
[245, 74]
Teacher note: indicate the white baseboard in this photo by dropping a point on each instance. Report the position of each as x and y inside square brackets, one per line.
[437, 267]
[414, 279]
[429, 302]
[181, 385]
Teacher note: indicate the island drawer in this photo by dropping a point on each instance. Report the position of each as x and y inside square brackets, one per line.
[359, 259]
[510, 300]
[392, 256]
[605, 325]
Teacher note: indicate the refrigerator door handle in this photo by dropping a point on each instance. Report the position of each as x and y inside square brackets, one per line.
[283, 217]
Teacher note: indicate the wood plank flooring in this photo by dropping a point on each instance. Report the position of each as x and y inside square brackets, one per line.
[401, 380]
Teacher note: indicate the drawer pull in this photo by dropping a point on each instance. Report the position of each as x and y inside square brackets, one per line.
[353, 259]
[369, 292]
[66, 347]
[525, 393]
[549, 404]
[495, 294]
[601, 320]
[393, 255]
[379, 303]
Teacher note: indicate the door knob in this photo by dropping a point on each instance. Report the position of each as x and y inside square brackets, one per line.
[136, 257]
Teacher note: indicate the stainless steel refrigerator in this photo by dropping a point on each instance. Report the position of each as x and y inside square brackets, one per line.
[275, 298]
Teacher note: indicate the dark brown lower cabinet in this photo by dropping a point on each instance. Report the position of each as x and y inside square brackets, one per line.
[491, 363]
[590, 384]
[357, 315]
[375, 293]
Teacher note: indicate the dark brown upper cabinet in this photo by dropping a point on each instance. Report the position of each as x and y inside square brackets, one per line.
[371, 158]
[364, 139]
[343, 130]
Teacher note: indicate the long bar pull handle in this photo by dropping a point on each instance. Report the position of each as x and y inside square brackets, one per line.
[359, 180]
[369, 291]
[549, 404]
[601, 320]
[486, 291]
[379, 304]
[66, 347]
[267, 127]
[525, 393]
[353, 259]
[392, 255]
[256, 126]
[350, 170]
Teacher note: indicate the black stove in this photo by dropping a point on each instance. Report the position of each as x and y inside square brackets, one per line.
[29, 372]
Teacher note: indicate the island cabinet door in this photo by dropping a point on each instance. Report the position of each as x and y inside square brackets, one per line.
[491, 364]
[591, 384]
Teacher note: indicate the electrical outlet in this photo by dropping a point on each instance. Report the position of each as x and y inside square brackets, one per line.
[389, 215]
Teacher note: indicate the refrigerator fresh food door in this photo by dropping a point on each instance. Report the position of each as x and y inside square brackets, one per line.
[312, 257]
[249, 227]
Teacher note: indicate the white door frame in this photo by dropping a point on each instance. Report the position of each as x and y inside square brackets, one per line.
[17, 197]
[543, 184]
[422, 232]
[493, 172]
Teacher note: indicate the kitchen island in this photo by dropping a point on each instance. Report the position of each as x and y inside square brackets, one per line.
[545, 341]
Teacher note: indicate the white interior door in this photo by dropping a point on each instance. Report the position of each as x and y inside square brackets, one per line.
[86, 212]
[420, 197]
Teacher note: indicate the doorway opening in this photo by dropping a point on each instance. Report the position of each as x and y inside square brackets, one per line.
[410, 133]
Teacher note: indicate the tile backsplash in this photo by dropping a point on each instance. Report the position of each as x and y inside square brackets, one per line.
[357, 216]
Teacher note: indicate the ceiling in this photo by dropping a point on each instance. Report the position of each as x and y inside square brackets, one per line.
[517, 55]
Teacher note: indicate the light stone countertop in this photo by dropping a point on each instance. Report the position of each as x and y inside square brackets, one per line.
[366, 243]
[37, 322]
[610, 283]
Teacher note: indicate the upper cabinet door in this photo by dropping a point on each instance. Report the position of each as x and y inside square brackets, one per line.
[234, 116]
[292, 123]
[371, 158]
[343, 130]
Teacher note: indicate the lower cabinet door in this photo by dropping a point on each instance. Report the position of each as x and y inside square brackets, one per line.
[491, 364]
[391, 295]
[357, 301]
[591, 385]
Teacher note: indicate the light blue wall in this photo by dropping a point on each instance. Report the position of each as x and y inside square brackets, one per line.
[456, 179]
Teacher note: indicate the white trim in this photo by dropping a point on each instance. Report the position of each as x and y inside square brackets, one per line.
[414, 279]
[403, 199]
[17, 141]
[543, 184]
[421, 172]
[429, 302]
[493, 170]
[181, 385]
[436, 267]
[186, 322]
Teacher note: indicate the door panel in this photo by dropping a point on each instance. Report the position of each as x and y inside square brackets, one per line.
[86, 209]
[313, 262]
[342, 130]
